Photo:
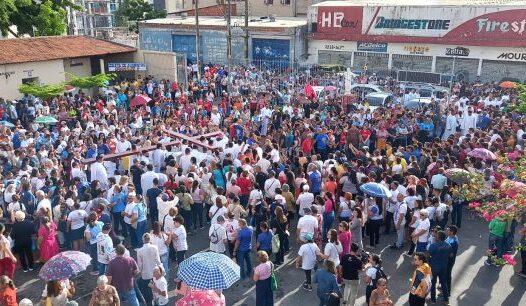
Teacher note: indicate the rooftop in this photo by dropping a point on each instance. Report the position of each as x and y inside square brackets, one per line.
[423, 3]
[254, 22]
[36, 49]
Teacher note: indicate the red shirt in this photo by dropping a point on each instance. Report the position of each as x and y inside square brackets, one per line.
[365, 133]
[8, 297]
[306, 145]
[245, 184]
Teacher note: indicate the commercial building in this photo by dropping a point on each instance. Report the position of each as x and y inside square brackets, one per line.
[53, 59]
[467, 38]
[280, 42]
[96, 19]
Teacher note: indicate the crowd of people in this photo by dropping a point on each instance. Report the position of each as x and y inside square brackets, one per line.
[285, 170]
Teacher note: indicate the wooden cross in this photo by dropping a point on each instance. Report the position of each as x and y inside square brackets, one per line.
[191, 139]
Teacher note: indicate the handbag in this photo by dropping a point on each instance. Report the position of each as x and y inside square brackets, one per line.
[334, 299]
[273, 280]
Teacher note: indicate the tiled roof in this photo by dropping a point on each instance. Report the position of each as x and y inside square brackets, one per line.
[35, 49]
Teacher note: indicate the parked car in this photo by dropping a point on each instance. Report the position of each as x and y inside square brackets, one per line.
[417, 103]
[362, 90]
[378, 99]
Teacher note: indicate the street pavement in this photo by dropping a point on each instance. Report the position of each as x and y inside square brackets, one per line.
[473, 283]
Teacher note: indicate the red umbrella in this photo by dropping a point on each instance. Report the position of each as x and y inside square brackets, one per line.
[511, 188]
[140, 100]
[508, 85]
[483, 154]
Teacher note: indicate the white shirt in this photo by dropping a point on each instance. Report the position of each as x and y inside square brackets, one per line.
[122, 146]
[307, 224]
[162, 285]
[304, 200]
[215, 213]
[147, 180]
[231, 226]
[423, 225]
[185, 163]
[333, 251]
[180, 238]
[271, 185]
[147, 259]
[104, 248]
[160, 243]
[163, 207]
[401, 208]
[221, 236]
[99, 172]
[264, 164]
[77, 218]
[129, 210]
[308, 255]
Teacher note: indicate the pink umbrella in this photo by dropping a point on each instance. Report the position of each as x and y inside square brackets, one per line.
[330, 88]
[511, 188]
[201, 298]
[309, 91]
[483, 154]
[140, 100]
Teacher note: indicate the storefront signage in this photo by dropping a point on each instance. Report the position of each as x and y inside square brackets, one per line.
[489, 25]
[343, 19]
[126, 67]
[334, 47]
[413, 24]
[372, 47]
[513, 56]
[458, 51]
[416, 49]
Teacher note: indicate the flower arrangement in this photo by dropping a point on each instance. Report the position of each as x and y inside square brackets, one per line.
[474, 189]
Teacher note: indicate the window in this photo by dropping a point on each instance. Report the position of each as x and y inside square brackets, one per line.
[269, 2]
[30, 81]
[285, 2]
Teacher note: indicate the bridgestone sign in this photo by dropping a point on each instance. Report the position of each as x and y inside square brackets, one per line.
[513, 56]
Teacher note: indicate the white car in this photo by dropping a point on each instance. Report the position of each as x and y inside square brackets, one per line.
[363, 90]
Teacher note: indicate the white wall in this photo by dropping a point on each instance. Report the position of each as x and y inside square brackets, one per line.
[48, 72]
[78, 66]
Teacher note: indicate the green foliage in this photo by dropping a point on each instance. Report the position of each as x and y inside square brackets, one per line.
[99, 80]
[521, 99]
[35, 18]
[132, 11]
[42, 91]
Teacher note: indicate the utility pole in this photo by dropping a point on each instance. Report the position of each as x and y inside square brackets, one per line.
[247, 59]
[197, 40]
[229, 38]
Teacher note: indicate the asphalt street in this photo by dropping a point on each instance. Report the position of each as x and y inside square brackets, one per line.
[473, 283]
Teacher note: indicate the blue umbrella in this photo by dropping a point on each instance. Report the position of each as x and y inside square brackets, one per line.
[7, 124]
[376, 190]
[209, 270]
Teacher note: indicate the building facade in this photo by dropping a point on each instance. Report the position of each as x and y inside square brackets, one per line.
[478, 41]
[272, 43]
[96, 19]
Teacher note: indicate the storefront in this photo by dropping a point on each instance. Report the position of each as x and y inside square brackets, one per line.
[480, 41]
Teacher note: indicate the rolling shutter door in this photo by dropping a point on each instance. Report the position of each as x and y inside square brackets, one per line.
[412, 62]
[334, 58]
[465, 68]
[503, 69]
[375, 61]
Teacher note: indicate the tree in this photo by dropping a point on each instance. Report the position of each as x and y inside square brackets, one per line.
[99, 80]
[42, 91]
[132, 11]
[34, 17]
[521, 99]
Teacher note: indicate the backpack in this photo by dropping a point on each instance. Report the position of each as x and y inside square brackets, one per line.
[275, 243]
[214, 237]
[379, 274]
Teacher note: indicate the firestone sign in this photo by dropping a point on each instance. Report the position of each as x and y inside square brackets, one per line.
[489, 25]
